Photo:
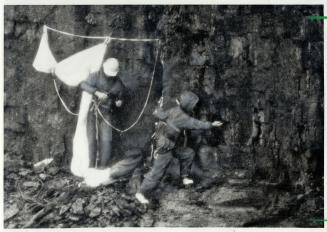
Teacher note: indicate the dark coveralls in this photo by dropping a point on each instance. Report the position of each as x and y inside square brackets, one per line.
[173, 121]
[208, 168]
[114, 88]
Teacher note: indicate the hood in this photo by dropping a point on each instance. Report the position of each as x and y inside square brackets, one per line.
[188, 100]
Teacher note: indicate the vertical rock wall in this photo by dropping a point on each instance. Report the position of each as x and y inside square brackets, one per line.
[240, 60]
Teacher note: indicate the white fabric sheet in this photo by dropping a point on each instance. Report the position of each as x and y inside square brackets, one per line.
[44, 60]
[80, 159]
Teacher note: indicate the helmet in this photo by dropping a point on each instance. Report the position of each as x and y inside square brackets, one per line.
[111, 67]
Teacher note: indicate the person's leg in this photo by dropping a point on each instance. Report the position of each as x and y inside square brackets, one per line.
[91, 137]
[105, 143]
[153, 178]
[125, 167]
[185, 156]
[210, 172]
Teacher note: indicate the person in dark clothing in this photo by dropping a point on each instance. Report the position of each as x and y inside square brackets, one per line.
[107, 90]
[207, 169]
[167, 132]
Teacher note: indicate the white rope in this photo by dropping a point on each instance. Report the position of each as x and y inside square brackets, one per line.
[99, 37]
[97, 157]
[121, 39]
[62, 101]
[145, 104]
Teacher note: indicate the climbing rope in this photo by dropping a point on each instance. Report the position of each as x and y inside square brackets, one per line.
[145, 104]
[62, 101]
[99, 37]
[97, 157]
[100, 113]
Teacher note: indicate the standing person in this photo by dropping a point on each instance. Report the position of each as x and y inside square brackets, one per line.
[107, 90]
[168, 130]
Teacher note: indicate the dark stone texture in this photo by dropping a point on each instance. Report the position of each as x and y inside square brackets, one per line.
[236, 58]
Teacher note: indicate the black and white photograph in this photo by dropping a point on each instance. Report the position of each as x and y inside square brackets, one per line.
[163, 115]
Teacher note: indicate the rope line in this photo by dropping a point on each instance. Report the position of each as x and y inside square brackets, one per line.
[98, 110]
[62, 101]
[99, 37]
[97, 157]
[145, 104]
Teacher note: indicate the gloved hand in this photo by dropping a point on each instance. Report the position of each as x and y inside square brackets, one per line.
[217, 123]
[118, 103]
[101, 95]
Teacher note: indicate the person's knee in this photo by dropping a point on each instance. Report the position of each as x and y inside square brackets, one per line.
[204, 149]
[161, 162]
[186, 153]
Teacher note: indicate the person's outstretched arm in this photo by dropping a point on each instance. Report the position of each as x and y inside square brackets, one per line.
[89, 86]
[193, 123]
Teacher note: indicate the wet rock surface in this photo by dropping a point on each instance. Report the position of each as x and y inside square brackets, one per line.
[257, 68]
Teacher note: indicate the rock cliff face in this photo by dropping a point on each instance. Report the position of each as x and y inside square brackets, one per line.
[245, 63]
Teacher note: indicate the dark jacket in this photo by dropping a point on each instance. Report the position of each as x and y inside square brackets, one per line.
[174, 120]
[112, 86]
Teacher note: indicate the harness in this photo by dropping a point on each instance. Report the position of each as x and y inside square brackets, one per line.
[164, 137]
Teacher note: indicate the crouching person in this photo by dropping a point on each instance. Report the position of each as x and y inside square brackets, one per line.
[168, 130]
[207, 168]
